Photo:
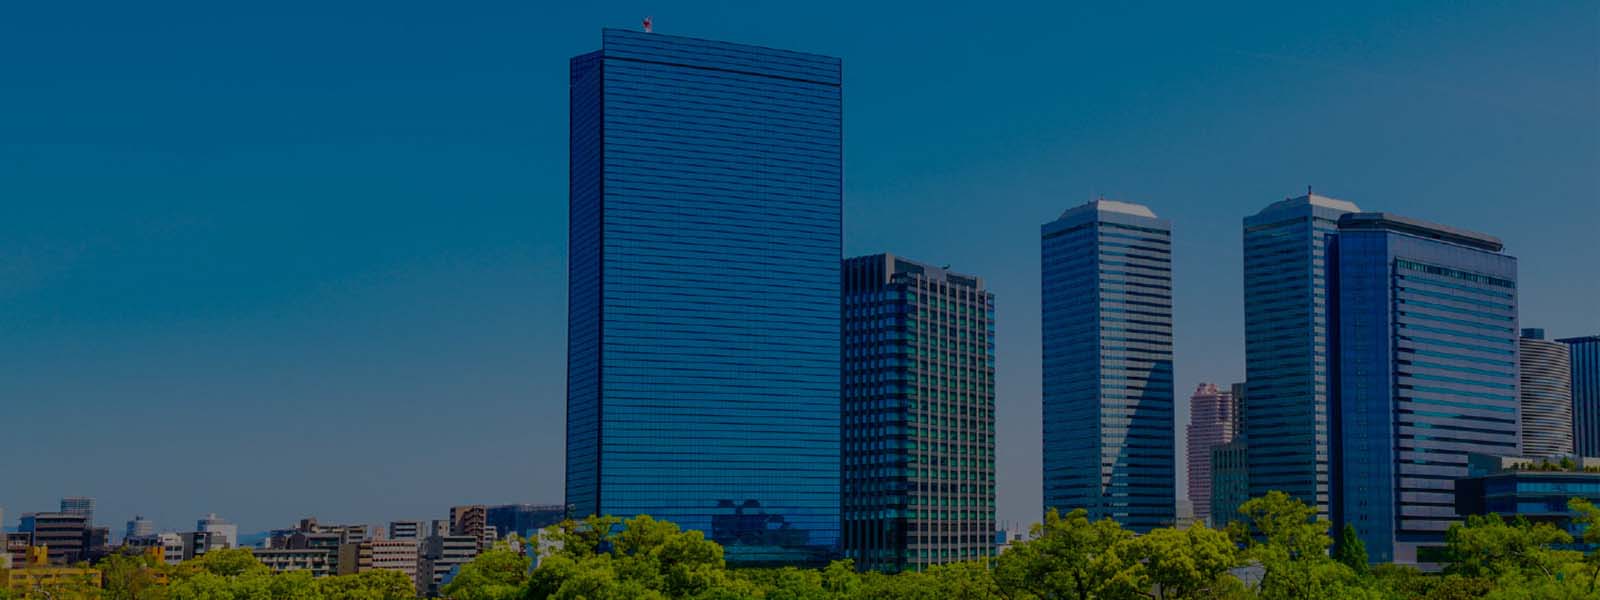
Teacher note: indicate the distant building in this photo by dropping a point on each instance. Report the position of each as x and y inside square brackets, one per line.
[1585, 364]
[169, 545]
[226, 532]
[440, 556]
[318, 561]
[67, 535]
[407, 530]
[918, 427]
[1108, 397]
[17, 544]
[1546, 391]
[1212, 416]
[197, 543]
[1426, 321]
[78, 505]
[523, 519]
[139, 527]
[1286, 334]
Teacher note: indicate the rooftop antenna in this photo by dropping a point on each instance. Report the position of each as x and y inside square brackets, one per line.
[1308, 191]
[649, 25]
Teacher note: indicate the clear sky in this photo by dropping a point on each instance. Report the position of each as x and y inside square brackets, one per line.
[308, 258]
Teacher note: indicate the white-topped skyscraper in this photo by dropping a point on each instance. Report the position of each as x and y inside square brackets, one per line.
[1286, 427]
[1109, 433]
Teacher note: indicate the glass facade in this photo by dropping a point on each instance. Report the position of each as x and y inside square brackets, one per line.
[1584, 353]
[1545, 369]
[918, 422]
[1539, 496]
[704, 302]
[1286, 346]
[1109, 425]
[1212, 416]
[1426, 372]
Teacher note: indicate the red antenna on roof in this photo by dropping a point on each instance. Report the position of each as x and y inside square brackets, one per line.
[648, 25]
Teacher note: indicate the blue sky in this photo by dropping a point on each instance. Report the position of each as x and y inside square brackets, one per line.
[304, 258]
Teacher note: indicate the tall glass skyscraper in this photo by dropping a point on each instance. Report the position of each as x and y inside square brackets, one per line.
[1426, 317]
[1212, 416]
[703, 327]
[1585, 355]
[918, 414]
[1109, 424]
[1286, 346]
[1545, 371]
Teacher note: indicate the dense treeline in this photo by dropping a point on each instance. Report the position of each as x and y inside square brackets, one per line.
[1282, 551]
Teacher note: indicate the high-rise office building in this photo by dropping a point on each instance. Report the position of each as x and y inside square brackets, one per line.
[66, 535]
[1212, 415]
[78, 505]
[1286, 346]
[1109, 424]
[918, 422]
[1426, 317]
[1585, 363]
[140, 527]
[703, 326]
[407, 530]
[1545, 369]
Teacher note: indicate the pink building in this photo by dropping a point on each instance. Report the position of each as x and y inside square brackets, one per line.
[1212, 414]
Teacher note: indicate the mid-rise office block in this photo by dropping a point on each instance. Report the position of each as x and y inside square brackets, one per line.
[1212, 416]
[66, 535]
[1545, 369]
[407, 530]
[918, 420]
[1286, 346]
[1584, 357]
[78, 505]
[471, 519]
[226, 532]
[317, 561]
[441, 555]
[1427, 373]
[1230, 482]
[1109, 443]
[140, 527]
[703, 326]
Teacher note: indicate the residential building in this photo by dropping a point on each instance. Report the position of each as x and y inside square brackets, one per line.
[441, 555]
[318, 561]
[139, 527]
[523, 519]
[169, 546]
[1426, 317]
[1545, 371]
[1585, 363]
[67, 535]
[703, 319]
[1212, 415]
[1286, 346]
[1109, 414]
[1529, 487]
[391, 555]
[78, 505]
[227, 533]
[17, 545]
[918, 420]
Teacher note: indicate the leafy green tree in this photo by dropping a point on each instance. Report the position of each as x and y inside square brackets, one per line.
[375, 585]
[1589, 518]
[642, 558]
[1289, 542]
[131, 577]
[1069, 557]
[499, 574]
[1351, 552]
[1490, 547]
[1183, 564]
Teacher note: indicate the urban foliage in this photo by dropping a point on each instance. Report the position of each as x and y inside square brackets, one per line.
[1276, 550]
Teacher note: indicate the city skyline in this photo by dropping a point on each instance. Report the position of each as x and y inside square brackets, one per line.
[329, 326]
